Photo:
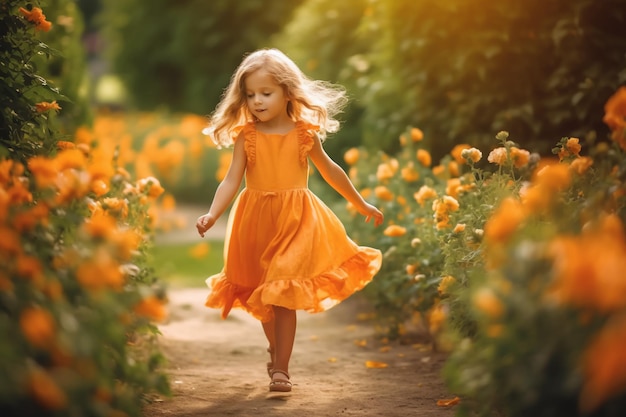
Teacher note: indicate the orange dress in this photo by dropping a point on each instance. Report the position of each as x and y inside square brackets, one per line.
[283, 245]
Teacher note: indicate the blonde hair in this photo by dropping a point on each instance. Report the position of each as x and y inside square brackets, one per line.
[313, 101]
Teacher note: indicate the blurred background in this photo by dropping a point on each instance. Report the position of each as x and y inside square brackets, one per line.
[460, 70]
[143, 76]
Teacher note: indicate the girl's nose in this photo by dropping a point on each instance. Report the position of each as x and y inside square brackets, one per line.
[257, 98]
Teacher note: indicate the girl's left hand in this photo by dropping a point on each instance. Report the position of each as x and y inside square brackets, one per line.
[369, 211]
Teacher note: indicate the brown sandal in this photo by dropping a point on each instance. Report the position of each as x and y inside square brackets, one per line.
[280, 385]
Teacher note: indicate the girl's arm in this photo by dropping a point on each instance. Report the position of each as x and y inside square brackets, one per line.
[226, 190]
[335, 176]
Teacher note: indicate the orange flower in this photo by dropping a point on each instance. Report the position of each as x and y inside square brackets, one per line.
[100, 225]
[394, 231]
[615, 116]
[101, 166]
[116, 206]
[588, 268]
[44, 170]
[424, 158]
[535, 198]
[554, 177]
[63, 144]
[383, 193]
[439, 171]
[457, 153]
[520, 157]
[453, 185]
[445, 283]
[409, 174]
[45, 106]
[581, 165]
[100, 271]
[6, 171]
[453, 168]
[351, 156]
[28, 219]
[424, 193]
[45, 390]
[472, 154]
[504, 221]
[70, 158]
[498, 156]
[83, 136]
[37, 17]
[571, 148]
[442, 207]
[416, 134]
[151, 308]
[487, 302]
[38, 326]
[10, 243]
[100, 187]
[151, 185]
[385, 171]
[604, 361]
[459, 228]
[127, 242]
[29, 267]
[445, 204]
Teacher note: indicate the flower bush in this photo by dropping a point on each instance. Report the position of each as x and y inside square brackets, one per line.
[167, 146]
[77, 299]
[518, 257]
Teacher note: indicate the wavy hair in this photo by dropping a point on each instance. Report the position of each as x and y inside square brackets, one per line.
[313, 101]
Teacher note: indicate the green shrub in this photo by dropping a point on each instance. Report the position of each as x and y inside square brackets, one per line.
[458, 69]
[77, 299]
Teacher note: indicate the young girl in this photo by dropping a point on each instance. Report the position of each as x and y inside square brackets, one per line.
[284, 248]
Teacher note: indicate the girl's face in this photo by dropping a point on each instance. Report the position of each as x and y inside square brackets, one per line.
[265, 98]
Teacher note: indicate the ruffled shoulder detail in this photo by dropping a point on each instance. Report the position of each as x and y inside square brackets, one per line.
[305, 139]
[249, 132]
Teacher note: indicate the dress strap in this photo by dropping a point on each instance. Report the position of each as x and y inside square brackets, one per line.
[305, 139]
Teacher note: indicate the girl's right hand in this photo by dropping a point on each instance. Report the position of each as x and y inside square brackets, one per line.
[204, 223]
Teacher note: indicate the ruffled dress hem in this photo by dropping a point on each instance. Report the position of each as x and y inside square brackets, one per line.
[311, 294]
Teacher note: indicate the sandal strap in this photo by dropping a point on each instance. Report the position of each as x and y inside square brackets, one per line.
[278, 371]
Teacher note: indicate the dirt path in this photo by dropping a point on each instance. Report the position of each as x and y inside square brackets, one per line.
[217, 367]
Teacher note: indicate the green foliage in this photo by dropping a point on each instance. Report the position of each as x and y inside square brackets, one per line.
[444, 66]
[76, 296]
[530, 353]
[413, 259]
[459, 69]
[22, 131]
[181, 55]
[67, 68]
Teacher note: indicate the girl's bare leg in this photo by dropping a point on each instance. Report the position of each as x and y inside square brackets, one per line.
[284, 334]
[269, 329]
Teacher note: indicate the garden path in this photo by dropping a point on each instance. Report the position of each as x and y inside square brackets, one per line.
[217, 367]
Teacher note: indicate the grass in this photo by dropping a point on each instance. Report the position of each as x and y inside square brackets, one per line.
[187, 264]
